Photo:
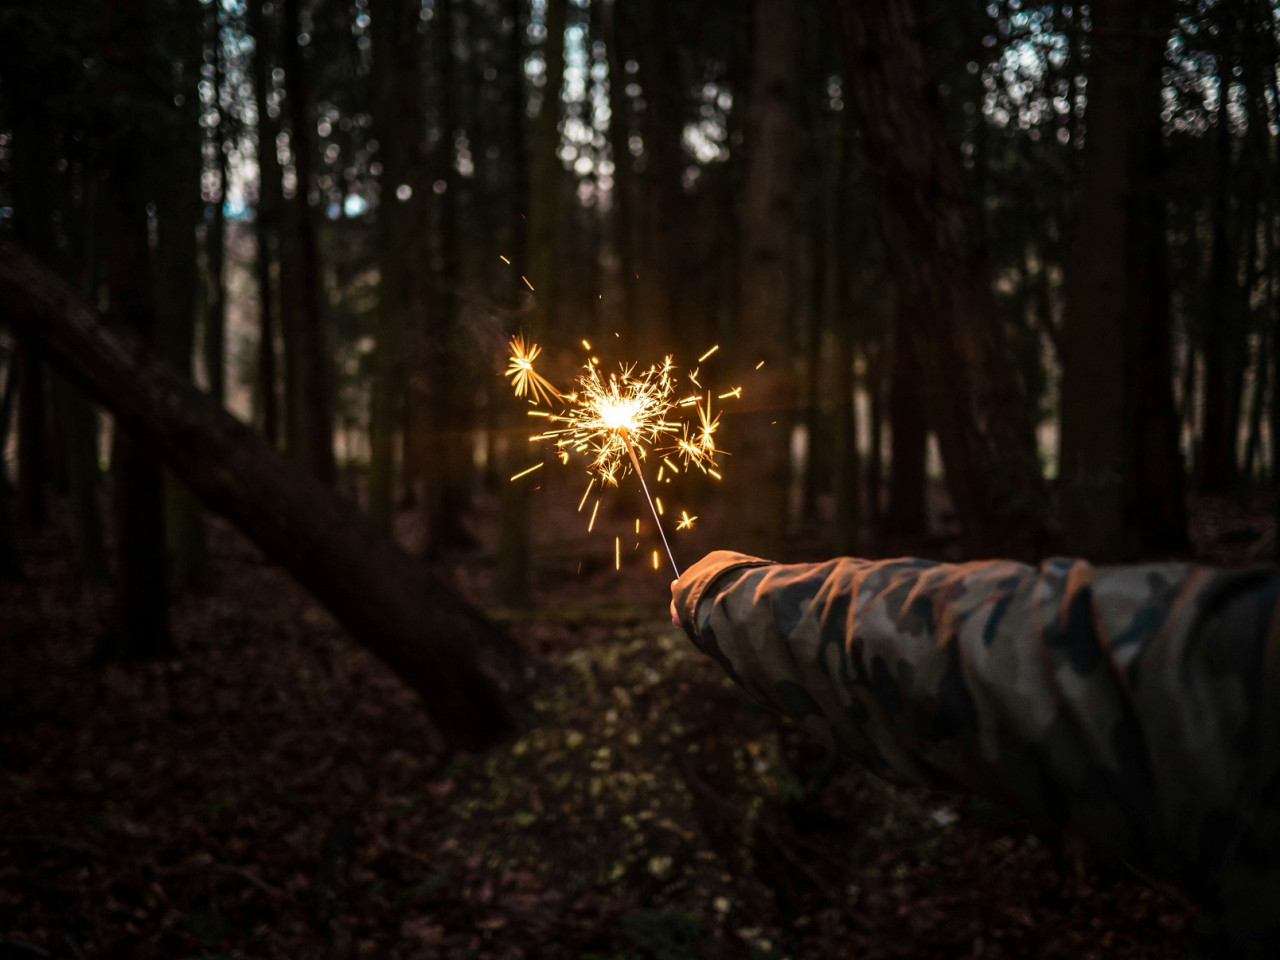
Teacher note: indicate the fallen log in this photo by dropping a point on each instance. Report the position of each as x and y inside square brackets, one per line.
[467, 669]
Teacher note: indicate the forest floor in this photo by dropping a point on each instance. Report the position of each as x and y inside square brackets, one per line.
[274, 791]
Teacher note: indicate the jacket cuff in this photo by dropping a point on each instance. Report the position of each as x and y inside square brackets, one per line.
[695, 582]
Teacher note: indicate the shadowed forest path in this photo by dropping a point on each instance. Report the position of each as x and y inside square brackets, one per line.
[277, 792]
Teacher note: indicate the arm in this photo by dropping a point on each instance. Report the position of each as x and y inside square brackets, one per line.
[1129, 703]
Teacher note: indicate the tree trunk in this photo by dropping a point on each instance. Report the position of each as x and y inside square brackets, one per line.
[33, 459]
[78, 416]
[1121, 469]
[761, 431]
[398, 124]
[841, 319]
[1217, 442]
[543, 241]
[265, 227]
[33, 170]
[141, 626]
[1093, 435]
[877, 375]
[463, 666]
[10, 561]
[934, 242]
[660, 80]
[623, 215]
[314, 394]
[215, 314]
[1156, 483]
[78, 422]
[546, 172]
[446, 494]
[512, 576]
[908, 434]
[179, 213]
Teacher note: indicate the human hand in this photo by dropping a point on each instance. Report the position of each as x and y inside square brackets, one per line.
[675, 617]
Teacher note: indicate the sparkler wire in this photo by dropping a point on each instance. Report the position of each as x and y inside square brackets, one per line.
[635, 463]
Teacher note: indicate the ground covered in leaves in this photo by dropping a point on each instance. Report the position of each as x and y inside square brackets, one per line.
[275, 792]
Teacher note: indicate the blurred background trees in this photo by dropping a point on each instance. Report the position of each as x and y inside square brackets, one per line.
[1022, 252]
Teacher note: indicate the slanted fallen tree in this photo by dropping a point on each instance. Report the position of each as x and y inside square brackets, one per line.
[467, 669]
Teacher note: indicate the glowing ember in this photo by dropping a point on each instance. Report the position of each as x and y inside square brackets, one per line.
[526, 380]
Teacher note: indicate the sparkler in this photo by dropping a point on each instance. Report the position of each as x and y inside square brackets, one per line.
[617, 420]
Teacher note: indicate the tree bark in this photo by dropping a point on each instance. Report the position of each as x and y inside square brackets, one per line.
[908, 435]
[1093, 436]
[448, 411]
[314, 393]
[760, 433]
[141, 623]
[33, 460]
[179, 212]
[541, 245]
[1121, 475]
[464, 667]
[1218, 440]
[546, 172]
[33, 169]
[398, 124]
[841, 319]
[623, 214]
[10, 560]
[1156, 483]
[660, 80]
[934, 241]
[265, 226]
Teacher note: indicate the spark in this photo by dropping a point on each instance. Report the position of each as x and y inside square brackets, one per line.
[524, 473]
[608, 416]
[760, 364]
[617, 553]
[707, 426]
[655, 559]
[686, 521]
[527, 283]
[504, 259]
[524, 378]
[617, 418]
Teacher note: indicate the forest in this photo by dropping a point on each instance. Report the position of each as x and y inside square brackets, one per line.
[311, 646]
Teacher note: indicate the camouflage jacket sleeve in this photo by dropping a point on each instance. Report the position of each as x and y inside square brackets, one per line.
[1139, 706]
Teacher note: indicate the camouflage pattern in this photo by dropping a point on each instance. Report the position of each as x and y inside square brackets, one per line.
[1138, 707]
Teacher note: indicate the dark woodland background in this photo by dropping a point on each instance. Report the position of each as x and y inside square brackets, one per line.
[1014, 273]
